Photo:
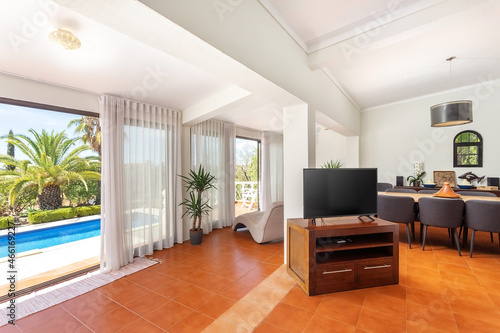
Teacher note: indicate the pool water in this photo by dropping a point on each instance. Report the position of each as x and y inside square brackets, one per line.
[51, 236]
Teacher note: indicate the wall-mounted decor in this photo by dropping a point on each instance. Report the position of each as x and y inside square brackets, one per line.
[441, 177]
[469, 176]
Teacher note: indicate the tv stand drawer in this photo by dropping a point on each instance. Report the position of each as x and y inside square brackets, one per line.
[376, 271]
[335, 273]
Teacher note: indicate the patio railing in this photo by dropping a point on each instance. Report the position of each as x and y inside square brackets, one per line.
[240, 187]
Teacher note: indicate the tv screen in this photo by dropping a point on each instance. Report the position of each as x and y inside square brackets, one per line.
[340, 192]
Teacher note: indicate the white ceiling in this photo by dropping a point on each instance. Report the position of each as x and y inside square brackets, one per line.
[375, 53]
[111, 62]
[381, 52]
[108, 62]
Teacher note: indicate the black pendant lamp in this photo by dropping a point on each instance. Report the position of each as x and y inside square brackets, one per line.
[451, 113]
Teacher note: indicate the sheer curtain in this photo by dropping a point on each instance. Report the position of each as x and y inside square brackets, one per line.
[212, 146]
[271, 188]
[141, 189]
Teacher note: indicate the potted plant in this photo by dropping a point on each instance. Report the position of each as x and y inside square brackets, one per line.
[196, 183]
[416, 180]
[332, 164]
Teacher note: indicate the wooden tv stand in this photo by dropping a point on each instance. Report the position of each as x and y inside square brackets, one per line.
[321, 262]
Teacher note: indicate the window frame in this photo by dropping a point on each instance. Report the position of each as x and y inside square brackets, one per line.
[478, 144]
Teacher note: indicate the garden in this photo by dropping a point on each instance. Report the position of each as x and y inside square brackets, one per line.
[55, 177]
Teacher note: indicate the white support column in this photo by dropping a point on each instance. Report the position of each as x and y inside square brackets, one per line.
[352, 148]
[299, 152]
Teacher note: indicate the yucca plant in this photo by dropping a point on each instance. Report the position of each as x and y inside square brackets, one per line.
[332, 164]
[196, 183]
[195, 209]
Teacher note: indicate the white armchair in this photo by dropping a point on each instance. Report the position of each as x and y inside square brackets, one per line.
[263, 226]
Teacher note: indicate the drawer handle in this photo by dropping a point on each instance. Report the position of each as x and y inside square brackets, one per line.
[375, 267]
[339, 271]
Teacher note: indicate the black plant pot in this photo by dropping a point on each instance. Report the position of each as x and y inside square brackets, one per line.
[196, 236]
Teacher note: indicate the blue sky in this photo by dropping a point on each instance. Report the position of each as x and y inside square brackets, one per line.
[21, 119]
[242, 144]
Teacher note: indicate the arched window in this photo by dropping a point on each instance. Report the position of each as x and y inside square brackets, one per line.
[468, 149]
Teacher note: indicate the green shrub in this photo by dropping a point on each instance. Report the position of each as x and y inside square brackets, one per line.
[96, 210]
[83, 211]
[37, 217]
[67, 213]
[62, 214]
[6, 221]
[55, 215]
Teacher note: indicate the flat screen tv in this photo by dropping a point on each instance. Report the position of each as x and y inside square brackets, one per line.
[340, 192]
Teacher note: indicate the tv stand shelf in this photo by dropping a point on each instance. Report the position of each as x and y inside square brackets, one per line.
[342, 253]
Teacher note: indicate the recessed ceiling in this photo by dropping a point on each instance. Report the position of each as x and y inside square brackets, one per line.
[382, 52]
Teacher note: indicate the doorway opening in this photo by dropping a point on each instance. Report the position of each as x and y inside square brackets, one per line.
[247, 175]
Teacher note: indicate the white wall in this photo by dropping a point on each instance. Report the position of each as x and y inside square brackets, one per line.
[330, 146]
[394, 137]
[19, 88]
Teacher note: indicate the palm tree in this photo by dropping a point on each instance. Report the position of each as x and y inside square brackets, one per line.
[10, 151]
[90, 128]
[51, 162]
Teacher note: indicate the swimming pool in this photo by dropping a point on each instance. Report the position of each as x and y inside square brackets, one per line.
[51, 236]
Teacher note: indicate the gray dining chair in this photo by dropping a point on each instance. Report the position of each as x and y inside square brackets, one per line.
[481, 215]
[476, 194]
[441, 212]
[427, 191]
[399, 210]
[381, 187]
[401, 190]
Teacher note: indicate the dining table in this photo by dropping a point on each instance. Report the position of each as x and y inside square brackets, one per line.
[417, 196]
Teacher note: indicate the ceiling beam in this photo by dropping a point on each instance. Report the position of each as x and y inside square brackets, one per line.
[393, 32]
[215, 105]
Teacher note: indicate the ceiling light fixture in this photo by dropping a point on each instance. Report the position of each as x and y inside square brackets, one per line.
[65, 38]
[451, 113]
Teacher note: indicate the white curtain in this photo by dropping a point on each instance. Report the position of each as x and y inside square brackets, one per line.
[271, 188]
[141, 189]
[212, 146]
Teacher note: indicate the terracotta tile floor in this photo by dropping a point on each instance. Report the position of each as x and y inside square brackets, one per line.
[231, 284]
